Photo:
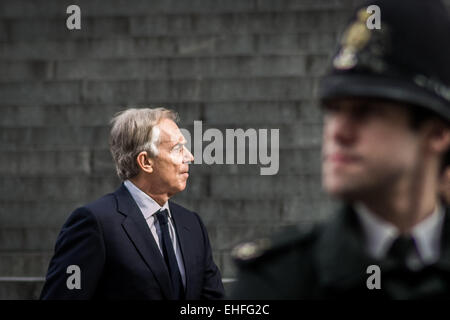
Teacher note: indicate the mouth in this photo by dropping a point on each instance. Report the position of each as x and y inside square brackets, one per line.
[340, 158]
[185, 173]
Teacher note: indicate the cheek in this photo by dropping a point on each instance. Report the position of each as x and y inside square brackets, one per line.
[326, 130]
[391, 147]
[176, 158]
[327, 141]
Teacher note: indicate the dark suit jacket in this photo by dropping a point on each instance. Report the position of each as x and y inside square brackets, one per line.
[118, 257]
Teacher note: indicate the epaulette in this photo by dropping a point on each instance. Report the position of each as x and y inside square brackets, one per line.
[259, 249]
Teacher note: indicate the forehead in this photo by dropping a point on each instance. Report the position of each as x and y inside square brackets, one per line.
[380, 112]
[363, 102]
[169, 132]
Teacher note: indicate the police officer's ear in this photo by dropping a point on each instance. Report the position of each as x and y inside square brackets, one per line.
[438, 135]
[144, 161]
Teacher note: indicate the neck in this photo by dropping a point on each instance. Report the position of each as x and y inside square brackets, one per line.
[160, 197]
[407, 202]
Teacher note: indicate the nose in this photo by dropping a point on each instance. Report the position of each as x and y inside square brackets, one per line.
[340, 127]
[187, 155]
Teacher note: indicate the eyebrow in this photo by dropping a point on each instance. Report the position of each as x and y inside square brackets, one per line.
[179, 143]
[172, 142]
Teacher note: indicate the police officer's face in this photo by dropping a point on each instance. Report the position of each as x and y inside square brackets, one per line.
[367, 145]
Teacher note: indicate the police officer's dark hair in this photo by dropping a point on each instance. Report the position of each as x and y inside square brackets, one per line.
[418, 117]
[445, 161]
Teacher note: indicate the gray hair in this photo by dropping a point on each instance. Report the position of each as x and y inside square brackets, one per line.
[133, 131]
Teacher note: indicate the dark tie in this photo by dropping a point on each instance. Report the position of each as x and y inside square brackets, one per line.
[403, 253]
[169, 255]
[405, 276]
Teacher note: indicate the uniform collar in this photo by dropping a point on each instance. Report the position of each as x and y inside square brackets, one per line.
[342, 258]
[146, 204]
[379, 234]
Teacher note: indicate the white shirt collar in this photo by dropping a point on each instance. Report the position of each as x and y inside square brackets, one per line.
[147, 205]
[380, 234]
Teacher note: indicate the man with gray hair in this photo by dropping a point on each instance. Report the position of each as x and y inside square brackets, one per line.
[135, 243]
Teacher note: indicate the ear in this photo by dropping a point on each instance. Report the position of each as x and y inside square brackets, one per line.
[439, 137]
[144, 162]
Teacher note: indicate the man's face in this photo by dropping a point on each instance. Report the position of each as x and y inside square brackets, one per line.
[367, 146]
[170, 166]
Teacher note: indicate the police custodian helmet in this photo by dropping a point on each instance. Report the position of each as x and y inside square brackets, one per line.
[407, 59]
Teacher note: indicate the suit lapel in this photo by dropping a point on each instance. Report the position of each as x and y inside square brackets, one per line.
[183, 233]
[137, 230]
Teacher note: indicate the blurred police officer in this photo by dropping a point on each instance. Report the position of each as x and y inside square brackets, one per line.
[387, 107]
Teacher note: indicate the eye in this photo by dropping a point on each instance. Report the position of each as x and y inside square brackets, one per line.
[178, 148]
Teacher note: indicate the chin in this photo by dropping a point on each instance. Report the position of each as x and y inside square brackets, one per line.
[344, 190]
[181, 187]
[177, 188]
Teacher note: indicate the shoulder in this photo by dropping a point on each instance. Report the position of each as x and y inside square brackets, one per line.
[105, 202]
[290, 240]
[92, 213]
[280, 267]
